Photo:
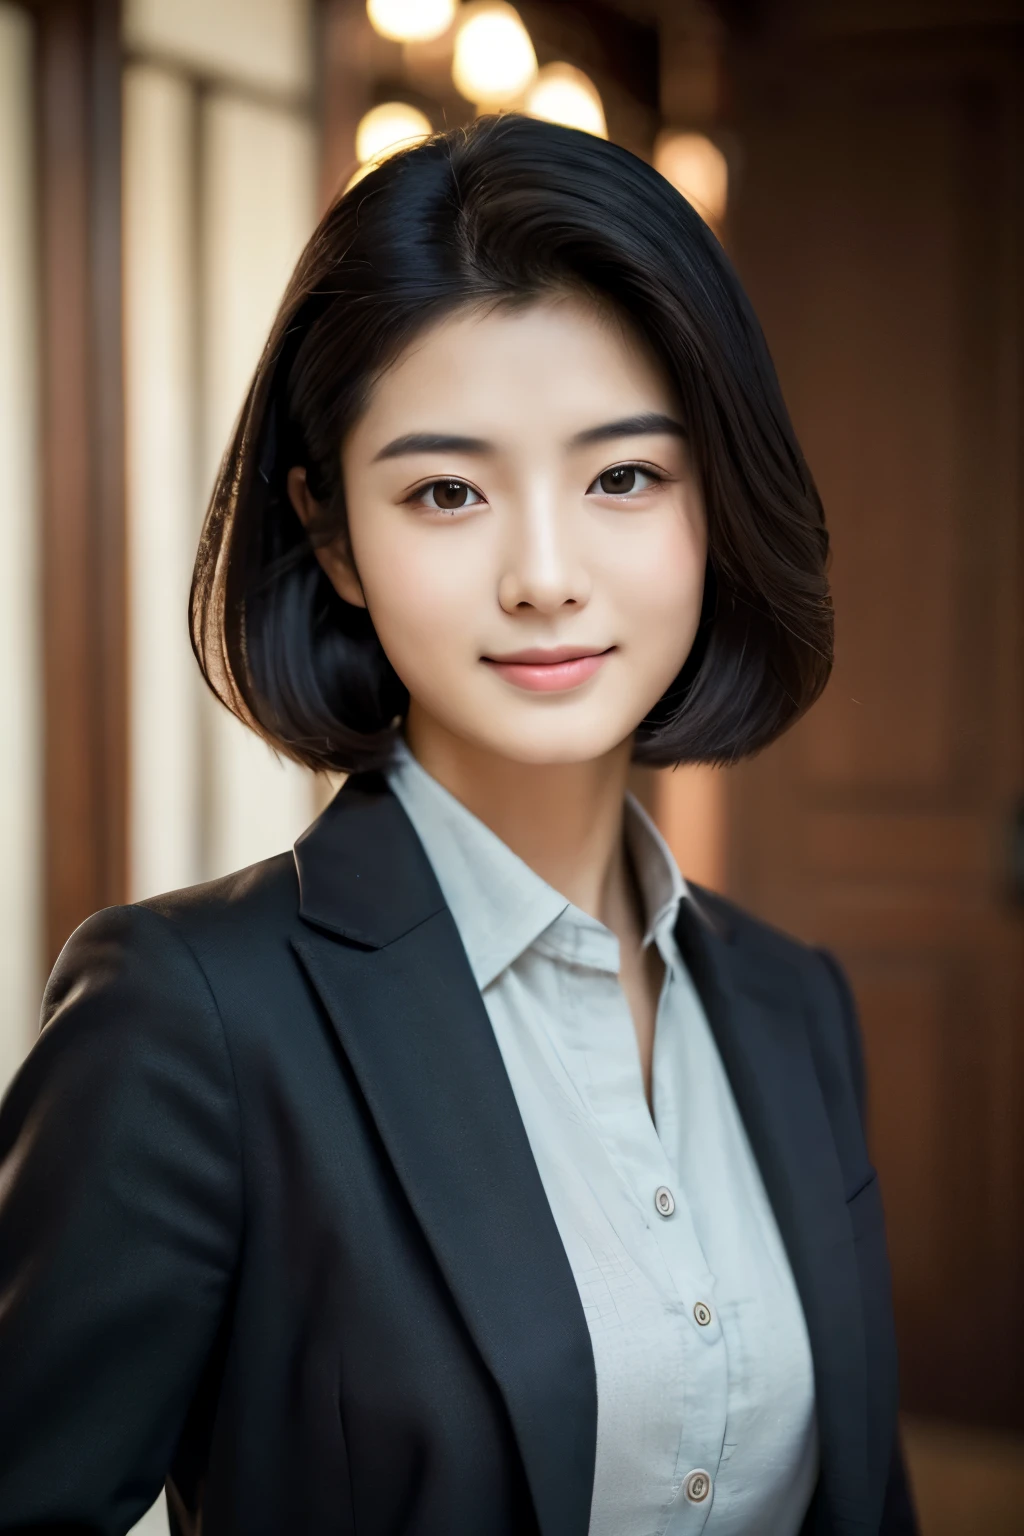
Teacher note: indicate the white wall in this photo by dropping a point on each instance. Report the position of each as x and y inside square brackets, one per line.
[219, 200]
[265, 43]
[162, 482]
[258, 201]
[20, 628]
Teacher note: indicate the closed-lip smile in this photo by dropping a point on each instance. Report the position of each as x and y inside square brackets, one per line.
[539, 655]
[552, 669]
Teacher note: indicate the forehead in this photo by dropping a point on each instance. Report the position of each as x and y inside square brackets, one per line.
[548, 368]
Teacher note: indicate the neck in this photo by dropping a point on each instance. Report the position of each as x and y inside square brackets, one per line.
[564, 820]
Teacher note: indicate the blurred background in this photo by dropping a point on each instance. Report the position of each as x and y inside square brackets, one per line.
[162, 163]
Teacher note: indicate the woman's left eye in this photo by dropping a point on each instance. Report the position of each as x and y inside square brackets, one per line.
[447, 495]
[623, 480]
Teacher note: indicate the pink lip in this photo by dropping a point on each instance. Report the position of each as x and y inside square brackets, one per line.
[551, 671]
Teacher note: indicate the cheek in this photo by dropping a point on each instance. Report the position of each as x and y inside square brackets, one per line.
[421, 585]
[656, 579]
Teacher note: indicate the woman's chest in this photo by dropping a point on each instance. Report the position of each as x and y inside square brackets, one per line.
[700, 1346]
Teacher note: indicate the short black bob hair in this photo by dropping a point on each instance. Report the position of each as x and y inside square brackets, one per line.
[507, 211]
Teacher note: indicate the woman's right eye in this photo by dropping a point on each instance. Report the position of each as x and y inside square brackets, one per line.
[447, 495]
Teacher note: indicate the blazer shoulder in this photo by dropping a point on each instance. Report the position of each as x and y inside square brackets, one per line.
[248, 906]
[815, 981]
[813, 972]
[753, 934]
[170, 954]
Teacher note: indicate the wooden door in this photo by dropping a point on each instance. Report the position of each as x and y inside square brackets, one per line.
[876, 221]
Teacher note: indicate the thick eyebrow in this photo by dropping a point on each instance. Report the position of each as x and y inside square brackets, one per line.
[432, 442]
[645, 424]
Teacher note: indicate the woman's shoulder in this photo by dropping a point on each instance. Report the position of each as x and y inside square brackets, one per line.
[162, 963]
[245, 908]
[809, 973]
[242, 906]
[757, 938]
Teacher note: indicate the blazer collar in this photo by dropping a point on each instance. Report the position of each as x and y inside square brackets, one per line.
[385, 957]
[363, 873]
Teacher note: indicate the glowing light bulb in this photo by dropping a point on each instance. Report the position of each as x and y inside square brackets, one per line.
[696, 168]
[411, 21]
[494, 61]
[393, 125]
[563, 94]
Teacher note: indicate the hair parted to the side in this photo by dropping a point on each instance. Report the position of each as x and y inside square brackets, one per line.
[507, 210]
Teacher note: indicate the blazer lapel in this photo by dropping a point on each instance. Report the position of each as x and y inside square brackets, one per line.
[383, 952]
[756, 1010]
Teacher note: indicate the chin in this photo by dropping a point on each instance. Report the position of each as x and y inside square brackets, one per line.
[552, 748]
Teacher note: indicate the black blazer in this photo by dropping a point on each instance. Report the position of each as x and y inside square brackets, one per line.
[270, 1226]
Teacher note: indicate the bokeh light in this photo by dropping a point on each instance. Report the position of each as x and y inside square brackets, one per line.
[411, 21]
[697, 168]
[562, 93]
[393, 125]
[494, 61]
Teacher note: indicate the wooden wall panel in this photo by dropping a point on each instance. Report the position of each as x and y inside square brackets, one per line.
[79, 93]
[877, 226]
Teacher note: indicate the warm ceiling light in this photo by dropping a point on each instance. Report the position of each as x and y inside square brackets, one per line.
[696, 168]
[494, 60]
[411, 21]
[563, 94]
[393, 125]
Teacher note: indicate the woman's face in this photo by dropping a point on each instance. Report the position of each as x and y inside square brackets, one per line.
[527, 530]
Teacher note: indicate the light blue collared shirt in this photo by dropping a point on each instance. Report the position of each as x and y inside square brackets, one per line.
[705, 1387]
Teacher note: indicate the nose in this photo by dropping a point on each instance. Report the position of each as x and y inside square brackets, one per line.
[543, 568]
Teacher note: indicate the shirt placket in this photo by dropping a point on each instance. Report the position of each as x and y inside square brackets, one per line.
[684, 1281]
[704, 1423]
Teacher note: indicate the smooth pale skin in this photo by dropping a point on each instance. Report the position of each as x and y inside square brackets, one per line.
[540, 555]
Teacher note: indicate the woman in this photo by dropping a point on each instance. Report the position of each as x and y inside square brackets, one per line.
[467, 1171]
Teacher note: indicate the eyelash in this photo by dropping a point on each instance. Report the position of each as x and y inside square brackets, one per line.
[417, 496]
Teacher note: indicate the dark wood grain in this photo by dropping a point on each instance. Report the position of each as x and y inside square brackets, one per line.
[83, 527]
[878, 228]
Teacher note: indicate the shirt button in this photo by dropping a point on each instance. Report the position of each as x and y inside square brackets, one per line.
[697, 1486]
[702, 1314]
[664, 1201]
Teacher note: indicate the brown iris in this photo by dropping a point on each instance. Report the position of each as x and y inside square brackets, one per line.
[614, 482]
[450, 494]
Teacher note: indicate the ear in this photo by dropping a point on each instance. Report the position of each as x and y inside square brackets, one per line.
[334, 559]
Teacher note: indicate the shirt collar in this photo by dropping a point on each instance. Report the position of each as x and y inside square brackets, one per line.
[662, 887]
[501, 906]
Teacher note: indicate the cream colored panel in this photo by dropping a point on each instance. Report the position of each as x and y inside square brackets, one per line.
[163, 494]
[20, 667]
[258, 211]
[263, 42]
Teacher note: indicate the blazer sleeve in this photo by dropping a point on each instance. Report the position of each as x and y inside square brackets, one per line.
[120, 1223]
[899, 1517]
